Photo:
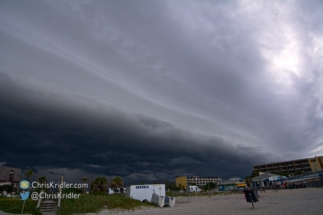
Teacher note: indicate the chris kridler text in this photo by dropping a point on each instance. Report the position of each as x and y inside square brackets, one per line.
[43, 195]
[54, 185]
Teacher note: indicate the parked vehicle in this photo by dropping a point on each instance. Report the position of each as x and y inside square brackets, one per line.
[193, 189]
[117, 190]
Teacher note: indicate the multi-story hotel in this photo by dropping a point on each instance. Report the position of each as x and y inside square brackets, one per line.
[291, 167]
[195, 180]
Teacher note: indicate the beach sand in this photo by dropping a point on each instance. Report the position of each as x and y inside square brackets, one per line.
[297, 201]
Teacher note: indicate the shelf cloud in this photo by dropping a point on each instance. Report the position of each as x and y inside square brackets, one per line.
[150, 90]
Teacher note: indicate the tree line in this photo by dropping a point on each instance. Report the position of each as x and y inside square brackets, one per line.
[98, 184]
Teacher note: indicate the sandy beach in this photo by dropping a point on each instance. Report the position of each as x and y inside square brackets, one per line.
[297, 201]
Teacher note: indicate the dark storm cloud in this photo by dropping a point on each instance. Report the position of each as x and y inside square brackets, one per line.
[194, 86]
[101, 139]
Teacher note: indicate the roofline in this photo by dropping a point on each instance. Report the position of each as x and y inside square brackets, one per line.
[286, 161]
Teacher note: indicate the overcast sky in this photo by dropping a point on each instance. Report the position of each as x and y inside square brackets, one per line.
[149, 90]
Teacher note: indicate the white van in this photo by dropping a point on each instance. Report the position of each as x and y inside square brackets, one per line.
[193, 189]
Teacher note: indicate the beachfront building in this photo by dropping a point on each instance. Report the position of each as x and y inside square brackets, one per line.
[10, 176]
[185, 181]
[237, 179]
[266, 179]
[231, 185]
[292, 167]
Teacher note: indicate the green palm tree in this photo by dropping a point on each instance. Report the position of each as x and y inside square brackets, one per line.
[84, 180]
[42, 179]
[116, 182]
[28, 174]
[100, 184]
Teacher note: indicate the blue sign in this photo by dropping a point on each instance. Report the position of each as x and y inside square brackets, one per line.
[142, 187]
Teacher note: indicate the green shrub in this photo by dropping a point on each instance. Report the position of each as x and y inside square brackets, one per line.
[72, 190]
[98, 193]
[93, 203]
[8, 188]
[14, 205]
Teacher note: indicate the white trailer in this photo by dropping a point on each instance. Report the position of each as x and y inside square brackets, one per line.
[145, 192]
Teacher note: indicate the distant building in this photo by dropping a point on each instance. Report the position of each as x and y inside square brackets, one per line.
[266, 177]
[292, 167]
[185, 181]
[231, 185]
[238, 179]
[10, 175]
